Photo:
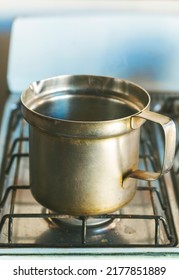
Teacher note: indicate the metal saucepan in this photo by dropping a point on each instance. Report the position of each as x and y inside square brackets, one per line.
[84, 142]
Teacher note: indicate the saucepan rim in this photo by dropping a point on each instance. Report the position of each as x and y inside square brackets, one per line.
[40, 87]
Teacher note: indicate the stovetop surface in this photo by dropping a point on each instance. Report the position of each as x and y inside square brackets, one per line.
[149, 220]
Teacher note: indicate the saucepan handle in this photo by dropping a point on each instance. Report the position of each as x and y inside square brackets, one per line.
[169, 129]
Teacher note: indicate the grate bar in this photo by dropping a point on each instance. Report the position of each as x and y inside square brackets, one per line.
[16, 141]
[8, 191]
[13, 157]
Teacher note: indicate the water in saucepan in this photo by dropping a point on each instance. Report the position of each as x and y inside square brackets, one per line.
[85, 108]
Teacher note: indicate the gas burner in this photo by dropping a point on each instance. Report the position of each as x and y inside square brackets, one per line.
[93, 224]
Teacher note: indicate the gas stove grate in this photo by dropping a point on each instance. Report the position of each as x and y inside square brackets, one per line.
[157, 218]
[14, 153]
